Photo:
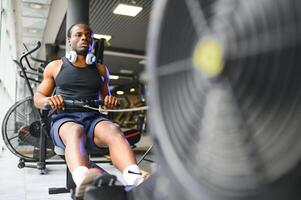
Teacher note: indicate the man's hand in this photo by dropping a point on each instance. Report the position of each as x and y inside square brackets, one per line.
[56, 102]
[110, 102]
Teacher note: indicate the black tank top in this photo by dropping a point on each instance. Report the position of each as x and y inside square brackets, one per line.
[78, 83]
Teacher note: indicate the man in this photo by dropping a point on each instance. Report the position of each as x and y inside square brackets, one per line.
[76, 130]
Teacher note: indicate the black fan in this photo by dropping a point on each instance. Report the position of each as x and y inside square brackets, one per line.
[225, 99]
[21, 129]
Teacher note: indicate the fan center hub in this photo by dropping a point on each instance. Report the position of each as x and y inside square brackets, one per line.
[208, 57]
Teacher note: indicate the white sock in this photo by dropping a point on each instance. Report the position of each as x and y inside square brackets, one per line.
[78, 174]
[131, 174]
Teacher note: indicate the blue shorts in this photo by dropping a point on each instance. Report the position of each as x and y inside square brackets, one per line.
[87, 119]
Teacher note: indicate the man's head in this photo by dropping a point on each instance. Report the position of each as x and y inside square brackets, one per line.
[80, 38]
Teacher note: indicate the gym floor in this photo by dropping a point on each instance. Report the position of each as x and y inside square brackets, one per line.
[29, 184]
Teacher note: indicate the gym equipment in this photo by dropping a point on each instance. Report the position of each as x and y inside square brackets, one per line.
[21, 131]
[99, 48]
[70, 185]
[24, 126]
[25, 131]
[105, 187]
[132, 135]
[224, 84]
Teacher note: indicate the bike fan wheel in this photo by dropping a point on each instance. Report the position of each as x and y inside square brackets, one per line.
[21, 130]
[225, 91]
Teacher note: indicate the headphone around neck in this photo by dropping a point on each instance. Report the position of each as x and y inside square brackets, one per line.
[72, 57]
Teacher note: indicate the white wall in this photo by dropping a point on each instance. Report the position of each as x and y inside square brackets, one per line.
[8, 70]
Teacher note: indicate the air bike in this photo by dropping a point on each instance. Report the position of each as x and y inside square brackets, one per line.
[225, 99]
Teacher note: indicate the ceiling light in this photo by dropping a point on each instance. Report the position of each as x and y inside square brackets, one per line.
[126, 71]
[142, 62]
[35, 5]
[129, 10]
[120, 92]
[99, 36]
[33, 30]
[114, 77]
[132, 90]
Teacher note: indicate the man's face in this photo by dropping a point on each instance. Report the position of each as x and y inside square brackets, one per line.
[81, 39]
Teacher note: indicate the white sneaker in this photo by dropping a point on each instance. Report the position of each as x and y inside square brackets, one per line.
[90, 176]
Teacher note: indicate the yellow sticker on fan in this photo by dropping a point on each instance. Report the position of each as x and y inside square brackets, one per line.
[208, 57]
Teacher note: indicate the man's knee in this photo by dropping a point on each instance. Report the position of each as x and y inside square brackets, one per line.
[72, 131]
[78, 130]
[108, 132]
[114, 129]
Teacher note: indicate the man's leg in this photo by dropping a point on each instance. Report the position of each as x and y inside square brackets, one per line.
[74, 138]
[108, 134]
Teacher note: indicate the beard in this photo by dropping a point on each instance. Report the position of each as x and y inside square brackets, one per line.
[82, 52]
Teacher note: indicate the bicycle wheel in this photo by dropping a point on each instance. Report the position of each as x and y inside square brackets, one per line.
[21, 130]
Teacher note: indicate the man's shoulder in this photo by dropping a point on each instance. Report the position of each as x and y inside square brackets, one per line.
[53, 66]
[56, 62]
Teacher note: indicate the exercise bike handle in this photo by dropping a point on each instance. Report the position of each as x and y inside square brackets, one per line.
[77, 103]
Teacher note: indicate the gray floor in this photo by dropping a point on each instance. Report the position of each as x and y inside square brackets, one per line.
[29, 184]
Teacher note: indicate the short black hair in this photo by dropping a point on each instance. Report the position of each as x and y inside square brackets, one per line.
[70, 28]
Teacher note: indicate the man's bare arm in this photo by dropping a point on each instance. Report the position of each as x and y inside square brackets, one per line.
[46, 87]
[105, 90]
[109, 100]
